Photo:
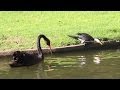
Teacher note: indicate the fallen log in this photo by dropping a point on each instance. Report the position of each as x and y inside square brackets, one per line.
[80, 47]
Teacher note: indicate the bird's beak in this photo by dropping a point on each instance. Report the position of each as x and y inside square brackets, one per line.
[101, 43]
[50, 49]
[98, 41]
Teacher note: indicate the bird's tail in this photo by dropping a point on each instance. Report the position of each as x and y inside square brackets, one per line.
[74, 37]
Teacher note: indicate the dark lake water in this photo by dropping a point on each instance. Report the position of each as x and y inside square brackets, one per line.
[94, 64]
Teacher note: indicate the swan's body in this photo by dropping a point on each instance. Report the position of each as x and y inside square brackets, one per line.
[24, 59]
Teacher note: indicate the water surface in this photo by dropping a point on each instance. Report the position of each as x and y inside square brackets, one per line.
[95, 64]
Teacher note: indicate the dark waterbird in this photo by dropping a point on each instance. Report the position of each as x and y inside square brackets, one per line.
[85, 38]
[25, 59]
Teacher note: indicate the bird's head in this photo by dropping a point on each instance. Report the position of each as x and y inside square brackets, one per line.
[48, 43]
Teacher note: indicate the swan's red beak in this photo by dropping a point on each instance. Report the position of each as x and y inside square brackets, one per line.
[50, 49]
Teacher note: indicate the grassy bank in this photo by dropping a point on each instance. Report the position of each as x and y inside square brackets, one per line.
[19, 30]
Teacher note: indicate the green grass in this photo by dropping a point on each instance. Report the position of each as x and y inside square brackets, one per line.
[19, 30]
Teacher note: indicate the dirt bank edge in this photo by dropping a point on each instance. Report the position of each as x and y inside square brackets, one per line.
[106, 45]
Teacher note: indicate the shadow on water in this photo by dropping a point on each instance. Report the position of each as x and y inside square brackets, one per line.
[74, 65]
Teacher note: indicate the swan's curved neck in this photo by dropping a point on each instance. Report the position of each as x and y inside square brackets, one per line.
[39, 46]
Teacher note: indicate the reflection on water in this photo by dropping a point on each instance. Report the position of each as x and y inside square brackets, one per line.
[96, 59]
[82, 65]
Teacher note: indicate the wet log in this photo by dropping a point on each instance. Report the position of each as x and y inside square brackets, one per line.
[94, 46]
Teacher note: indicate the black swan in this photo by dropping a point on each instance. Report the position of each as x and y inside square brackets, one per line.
[24, 59]
[85, 38]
